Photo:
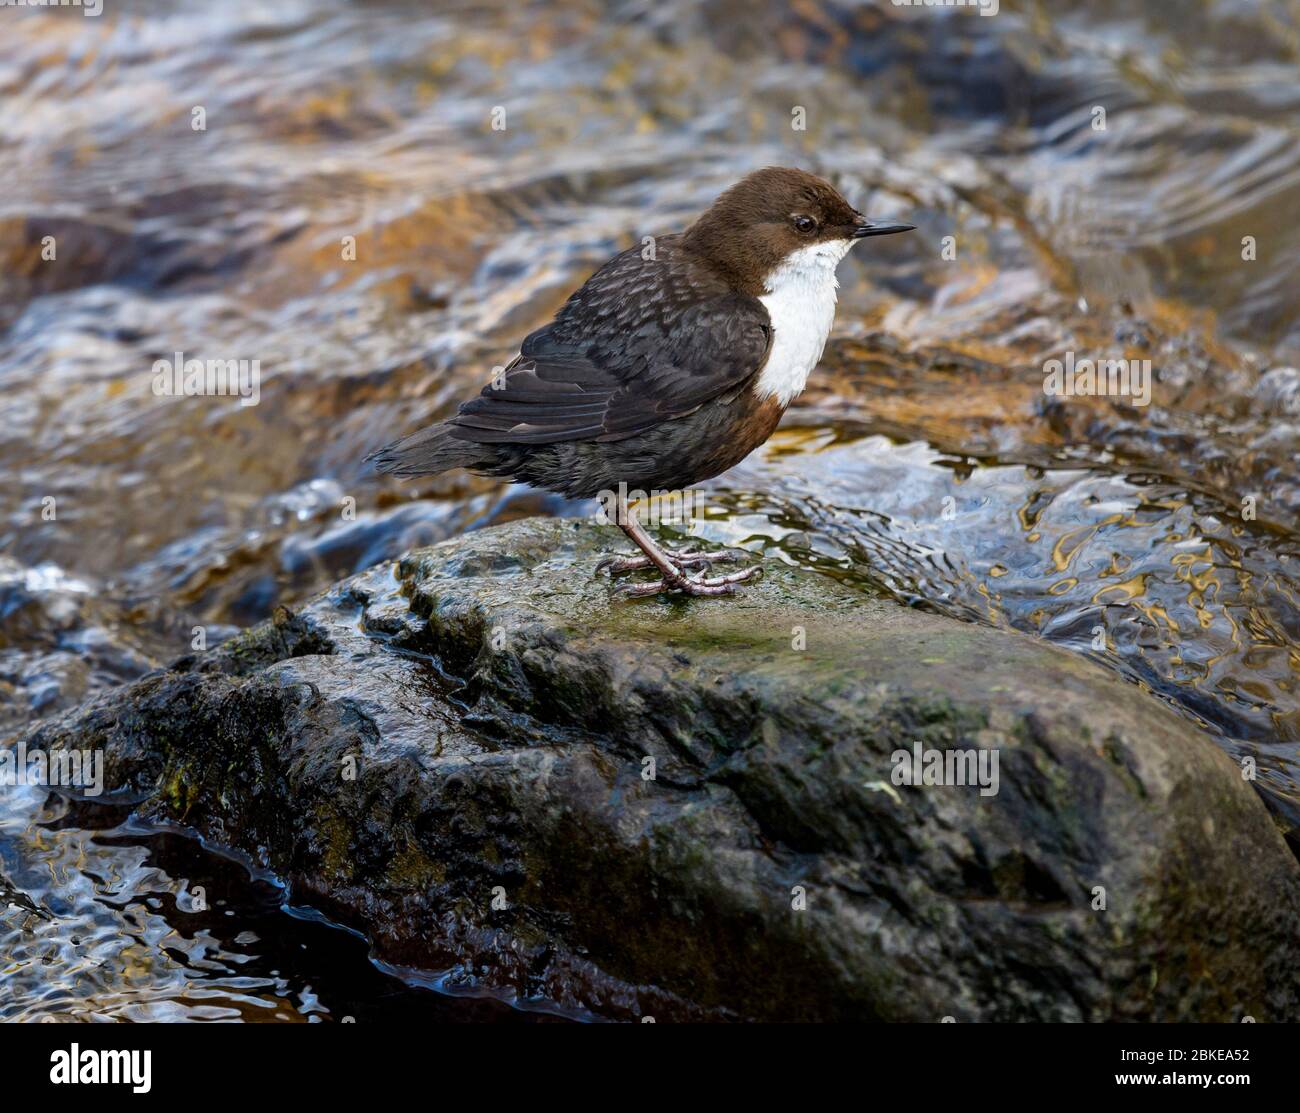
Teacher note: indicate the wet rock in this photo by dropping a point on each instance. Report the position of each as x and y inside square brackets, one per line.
[689, 809]
[31, 250]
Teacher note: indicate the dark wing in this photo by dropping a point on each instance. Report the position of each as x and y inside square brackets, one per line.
[617, 361]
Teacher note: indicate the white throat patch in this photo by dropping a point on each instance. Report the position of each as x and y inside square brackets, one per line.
[801, 303]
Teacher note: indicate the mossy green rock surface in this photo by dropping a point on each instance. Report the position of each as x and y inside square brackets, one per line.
[684, 809]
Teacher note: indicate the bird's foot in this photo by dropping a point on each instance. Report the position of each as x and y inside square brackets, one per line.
[682, 558]
[701, 584]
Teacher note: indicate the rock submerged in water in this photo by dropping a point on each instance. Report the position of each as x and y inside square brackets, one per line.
[668, 809]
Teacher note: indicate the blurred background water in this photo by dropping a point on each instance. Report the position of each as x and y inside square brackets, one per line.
[925, 458]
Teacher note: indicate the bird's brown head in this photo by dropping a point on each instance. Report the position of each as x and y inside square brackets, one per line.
[774, 215]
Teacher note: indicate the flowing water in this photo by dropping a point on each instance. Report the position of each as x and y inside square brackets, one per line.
[376, 201]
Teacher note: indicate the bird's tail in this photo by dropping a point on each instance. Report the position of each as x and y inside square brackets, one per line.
[428, 452]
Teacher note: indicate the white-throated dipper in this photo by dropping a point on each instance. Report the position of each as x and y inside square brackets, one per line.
[667, 367]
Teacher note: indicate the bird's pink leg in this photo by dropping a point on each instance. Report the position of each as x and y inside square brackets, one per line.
[670, 566]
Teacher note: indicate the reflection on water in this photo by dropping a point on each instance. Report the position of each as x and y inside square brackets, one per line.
[925, 457]
[1137, 573]
[119, 923]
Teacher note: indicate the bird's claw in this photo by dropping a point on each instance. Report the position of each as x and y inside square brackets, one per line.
[702, 584]
[616, 566]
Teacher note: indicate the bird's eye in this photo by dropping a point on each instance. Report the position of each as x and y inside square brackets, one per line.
[804, 224]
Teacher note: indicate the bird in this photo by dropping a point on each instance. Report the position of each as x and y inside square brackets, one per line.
[667, 367]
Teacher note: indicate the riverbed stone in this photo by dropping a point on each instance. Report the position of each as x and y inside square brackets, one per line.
[688, 809]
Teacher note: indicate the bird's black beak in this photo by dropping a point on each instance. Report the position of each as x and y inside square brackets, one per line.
[879, 228]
